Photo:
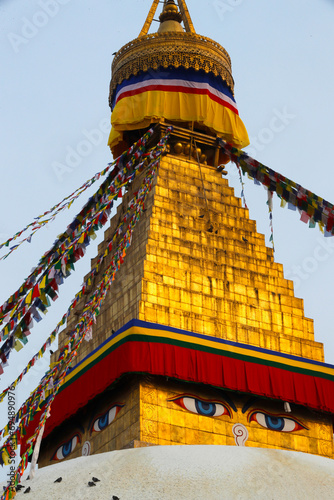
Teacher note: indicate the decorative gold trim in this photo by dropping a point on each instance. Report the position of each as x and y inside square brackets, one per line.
[188, 50]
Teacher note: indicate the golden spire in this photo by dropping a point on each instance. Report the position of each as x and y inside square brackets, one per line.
[170, 13]
[170, 18]
[170, 46]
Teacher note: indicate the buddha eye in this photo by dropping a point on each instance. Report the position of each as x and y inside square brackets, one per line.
[201, 407]
[275, 422]
[104, 420]
[66, 449]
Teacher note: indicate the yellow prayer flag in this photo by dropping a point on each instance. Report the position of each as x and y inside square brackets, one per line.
[29, 297]
[6, 458]
[82, 238]
[43, 283]
[279, 190]
[18, 346]
[310, 210]
[44, 300]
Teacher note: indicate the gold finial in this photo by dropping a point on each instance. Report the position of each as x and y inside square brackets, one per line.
[170, 18]
[185, 17]
[170, 12]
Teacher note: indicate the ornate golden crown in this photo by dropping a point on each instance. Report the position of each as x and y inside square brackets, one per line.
[174, 48]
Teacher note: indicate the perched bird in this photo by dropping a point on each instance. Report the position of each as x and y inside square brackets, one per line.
[114, 497]
[244, 239]
[27, 490]
[95, 479]
[90, 483]
[19, 487]
[59, 480]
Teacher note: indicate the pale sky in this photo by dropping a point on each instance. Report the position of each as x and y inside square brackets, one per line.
[55, 57]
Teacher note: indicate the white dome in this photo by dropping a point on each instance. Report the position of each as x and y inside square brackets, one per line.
[188, 472]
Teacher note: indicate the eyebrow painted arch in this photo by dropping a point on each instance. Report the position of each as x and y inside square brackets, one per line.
[248, 404]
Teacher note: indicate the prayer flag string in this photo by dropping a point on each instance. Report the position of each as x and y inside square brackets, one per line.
[51, 214]
[312, 208]
[270, 208]
[33, 297]
[45, 393]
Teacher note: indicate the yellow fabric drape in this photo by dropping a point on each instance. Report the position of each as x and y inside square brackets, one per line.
[139, 111]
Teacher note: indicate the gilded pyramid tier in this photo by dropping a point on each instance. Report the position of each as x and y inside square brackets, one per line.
[197, 263]
[196, 278]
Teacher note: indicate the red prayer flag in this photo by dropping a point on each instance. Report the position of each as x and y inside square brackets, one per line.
[330, 223]
[36, 292]
[304, 217]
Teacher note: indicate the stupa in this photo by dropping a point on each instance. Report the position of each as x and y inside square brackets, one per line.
[201, 339]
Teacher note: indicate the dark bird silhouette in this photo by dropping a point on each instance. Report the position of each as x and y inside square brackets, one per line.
[19, 487]
[114, 497]
[95, 479]
[27, 490]
[90, 483]
[114, 53]
[59, 480]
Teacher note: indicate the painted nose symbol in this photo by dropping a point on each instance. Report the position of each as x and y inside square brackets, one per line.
[86, 449]
[240, 434]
